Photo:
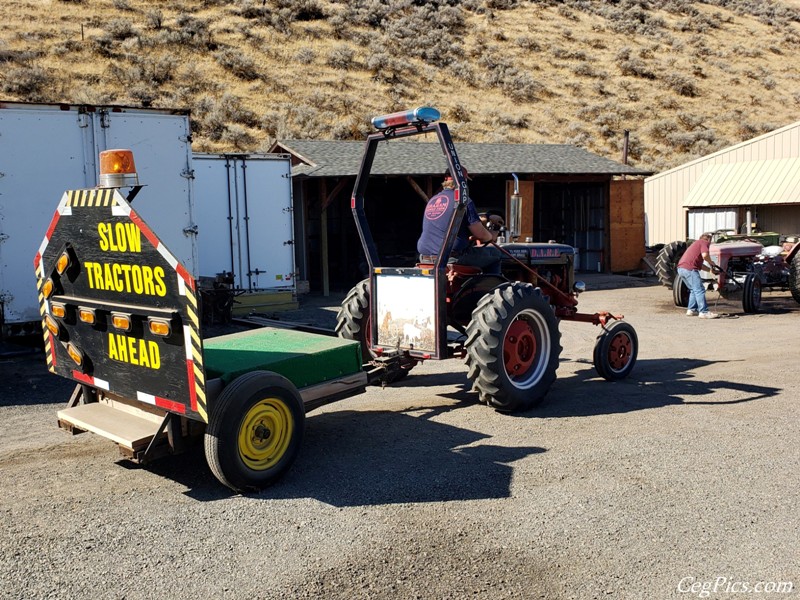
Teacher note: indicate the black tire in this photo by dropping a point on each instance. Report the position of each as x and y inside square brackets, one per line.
[254, 431]
[353, 318]
[513, 328]
[615, 351]
[680, 292]
[794, 277]
[751, 293]
[667, 262]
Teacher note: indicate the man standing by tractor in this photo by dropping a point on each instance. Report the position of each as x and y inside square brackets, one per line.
[691, 263]
[436, 220]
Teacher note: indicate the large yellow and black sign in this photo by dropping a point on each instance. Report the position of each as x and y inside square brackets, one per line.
[119, 311]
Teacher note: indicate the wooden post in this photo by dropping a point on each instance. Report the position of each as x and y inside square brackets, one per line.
[323, 239]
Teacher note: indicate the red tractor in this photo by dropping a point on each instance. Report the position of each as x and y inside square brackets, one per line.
[506, 326]
[747, 267]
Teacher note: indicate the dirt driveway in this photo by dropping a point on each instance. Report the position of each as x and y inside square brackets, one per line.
[681, 479]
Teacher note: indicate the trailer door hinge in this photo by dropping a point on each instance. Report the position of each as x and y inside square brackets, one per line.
[288, 209]
[188, 173]
[191, 230]
[3, 237]
[105, 121]
[83, 120]
[288, 243]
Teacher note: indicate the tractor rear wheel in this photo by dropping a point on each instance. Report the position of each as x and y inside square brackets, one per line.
[513, 345]
[751, 293]
[794, 277]
[254, 431]
[680, 292]
[353, 318]
[615, 351]
[667, 262]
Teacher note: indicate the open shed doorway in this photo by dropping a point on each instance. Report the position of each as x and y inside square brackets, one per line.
[574, 214]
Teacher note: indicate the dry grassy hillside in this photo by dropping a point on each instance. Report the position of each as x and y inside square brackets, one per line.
[684, 77]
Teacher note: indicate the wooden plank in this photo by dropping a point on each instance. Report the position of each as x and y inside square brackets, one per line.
[125, 429]
[626, 224]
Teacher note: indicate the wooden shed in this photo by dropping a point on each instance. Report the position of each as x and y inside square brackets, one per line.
[569, 195]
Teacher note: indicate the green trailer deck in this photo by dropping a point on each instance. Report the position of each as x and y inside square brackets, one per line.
[303, 358]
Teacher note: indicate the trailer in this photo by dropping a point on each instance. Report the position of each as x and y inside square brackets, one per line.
[120, 317]
[34, 170]
[217, 209]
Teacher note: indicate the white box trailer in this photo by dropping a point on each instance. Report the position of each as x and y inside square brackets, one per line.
[244, 217]
[48, 148]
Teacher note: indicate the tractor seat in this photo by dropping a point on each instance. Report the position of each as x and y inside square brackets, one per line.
[455, 269]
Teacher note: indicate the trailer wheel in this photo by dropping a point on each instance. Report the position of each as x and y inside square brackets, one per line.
[255, 431]
[513, 346]
[615, 351]
[667, 262]
[680, 292]
[751, 293]
[794, 277]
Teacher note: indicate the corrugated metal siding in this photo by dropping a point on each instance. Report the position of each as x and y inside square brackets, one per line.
[784, 219]
[665, 193]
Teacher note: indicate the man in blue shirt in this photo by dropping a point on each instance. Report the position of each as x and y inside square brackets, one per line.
[436, 219]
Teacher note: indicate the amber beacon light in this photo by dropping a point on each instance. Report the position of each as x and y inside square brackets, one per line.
[117, 169]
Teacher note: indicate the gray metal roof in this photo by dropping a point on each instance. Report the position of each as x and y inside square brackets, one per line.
[342, 159]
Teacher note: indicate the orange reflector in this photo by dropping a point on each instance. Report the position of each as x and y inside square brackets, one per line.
[75, 354]
[58, 310]
[159, 327]
[51, 324]
[121, 321]
[117, 169]
[62, 263]
[87, 315]
[47, 288]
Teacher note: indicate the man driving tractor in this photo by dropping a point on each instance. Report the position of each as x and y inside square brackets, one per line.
[436, 219]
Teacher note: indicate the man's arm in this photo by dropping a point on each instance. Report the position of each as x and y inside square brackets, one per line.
[707, 259]
[480, 233]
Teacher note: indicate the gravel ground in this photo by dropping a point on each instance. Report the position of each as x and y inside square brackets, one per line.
[686, 472]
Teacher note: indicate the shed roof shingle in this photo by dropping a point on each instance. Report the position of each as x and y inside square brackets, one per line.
[341, 159]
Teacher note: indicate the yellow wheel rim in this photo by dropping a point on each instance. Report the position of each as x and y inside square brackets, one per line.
[265, 433]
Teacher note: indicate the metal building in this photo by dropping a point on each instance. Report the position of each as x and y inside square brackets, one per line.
[759, 179]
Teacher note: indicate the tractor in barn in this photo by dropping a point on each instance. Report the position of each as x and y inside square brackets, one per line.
[506, 325]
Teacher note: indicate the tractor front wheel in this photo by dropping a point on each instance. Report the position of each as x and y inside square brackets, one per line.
[254, 431]
[680, 292]
[513, 346]
[751, 293]
[615, 351]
